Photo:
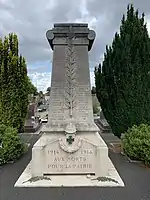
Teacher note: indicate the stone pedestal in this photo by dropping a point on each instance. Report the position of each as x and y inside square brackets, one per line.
[88, 154]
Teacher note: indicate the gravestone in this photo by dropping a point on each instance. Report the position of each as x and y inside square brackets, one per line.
[70, 145]
[32, 124]
[103, 124]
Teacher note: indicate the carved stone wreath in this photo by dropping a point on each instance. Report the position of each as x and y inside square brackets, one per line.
[70, 143]
[70, 148]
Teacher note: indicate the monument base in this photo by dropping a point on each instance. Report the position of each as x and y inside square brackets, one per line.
[59, 126]
[113, 180]
[56, 163]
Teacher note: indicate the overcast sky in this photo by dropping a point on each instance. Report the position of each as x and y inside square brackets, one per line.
[30, 19]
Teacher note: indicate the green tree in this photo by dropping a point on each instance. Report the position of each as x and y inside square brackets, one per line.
[1, 80]
[11, 146]
[23, 91]
[4, 79]
[31, 88]
[123, 79]
[14, 84]
[48, 89]
[41, 95]
[93, 91]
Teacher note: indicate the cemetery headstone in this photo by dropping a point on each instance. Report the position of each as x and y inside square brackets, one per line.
[32, 123]
[103, 124]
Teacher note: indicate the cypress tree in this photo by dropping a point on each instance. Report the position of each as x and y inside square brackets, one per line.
[123, 79]
[14, 84]
[4, 79]
[1, 80]
[23, 91]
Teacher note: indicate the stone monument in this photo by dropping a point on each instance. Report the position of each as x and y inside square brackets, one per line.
[32, 123]
[103, 124]
[71, 144]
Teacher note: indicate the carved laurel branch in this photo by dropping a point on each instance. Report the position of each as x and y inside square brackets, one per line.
[70, 95]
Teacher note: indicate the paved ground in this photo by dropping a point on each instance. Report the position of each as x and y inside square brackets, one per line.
[136, 178]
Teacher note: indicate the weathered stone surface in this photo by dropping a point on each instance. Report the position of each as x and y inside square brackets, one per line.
[70, 98]
[59, 161]
[87, 155]
[62, 31]
[71, 143]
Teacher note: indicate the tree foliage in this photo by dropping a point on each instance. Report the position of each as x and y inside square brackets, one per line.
[123, 79]
[11, 146]
[48, 89]
[31, 88]
[14, 84]
[136, 143]
[93, 91]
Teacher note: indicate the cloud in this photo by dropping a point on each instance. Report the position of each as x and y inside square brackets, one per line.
[92, 78]
[31, 19]
[148, 23]
[43, 80]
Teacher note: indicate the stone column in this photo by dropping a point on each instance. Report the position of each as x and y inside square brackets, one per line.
[70, 99]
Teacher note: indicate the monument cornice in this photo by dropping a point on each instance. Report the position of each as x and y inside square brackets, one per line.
[75, 30]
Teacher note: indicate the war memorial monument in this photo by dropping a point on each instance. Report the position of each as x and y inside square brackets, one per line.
[70, 151]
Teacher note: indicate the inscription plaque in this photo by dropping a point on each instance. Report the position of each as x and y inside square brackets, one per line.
[59, 161]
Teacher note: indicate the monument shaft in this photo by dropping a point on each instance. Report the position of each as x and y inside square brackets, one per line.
[70, 99]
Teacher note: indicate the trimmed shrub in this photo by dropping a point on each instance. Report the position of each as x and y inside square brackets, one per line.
[136, 143]
[2, 131]
[11, 146]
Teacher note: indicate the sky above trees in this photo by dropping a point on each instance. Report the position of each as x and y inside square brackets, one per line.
[31, 19]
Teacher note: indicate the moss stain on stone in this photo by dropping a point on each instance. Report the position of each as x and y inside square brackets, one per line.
[37, 178]
[104, 179]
